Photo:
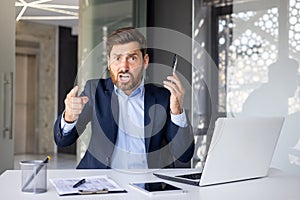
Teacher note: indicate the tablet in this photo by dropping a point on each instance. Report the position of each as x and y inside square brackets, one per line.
[152, 188]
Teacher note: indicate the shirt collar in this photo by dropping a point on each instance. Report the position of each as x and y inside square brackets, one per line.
[138, 92]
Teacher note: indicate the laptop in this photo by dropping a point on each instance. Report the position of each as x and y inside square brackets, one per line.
[240, 149]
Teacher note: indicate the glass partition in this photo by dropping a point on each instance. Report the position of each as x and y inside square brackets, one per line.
[255, 47]
[263, 70]
[98, 18]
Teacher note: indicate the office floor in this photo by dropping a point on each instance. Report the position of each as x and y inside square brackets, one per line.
[57, 161]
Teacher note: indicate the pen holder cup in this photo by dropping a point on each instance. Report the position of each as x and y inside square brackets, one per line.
[34, 176]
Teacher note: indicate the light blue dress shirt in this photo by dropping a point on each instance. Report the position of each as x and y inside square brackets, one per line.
[130, 149]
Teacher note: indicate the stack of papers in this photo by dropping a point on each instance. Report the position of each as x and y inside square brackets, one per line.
[93, 185]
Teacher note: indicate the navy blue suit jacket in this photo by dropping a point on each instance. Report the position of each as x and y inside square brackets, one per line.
[165, 142]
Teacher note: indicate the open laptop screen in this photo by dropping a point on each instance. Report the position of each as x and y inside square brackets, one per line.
[240, 149]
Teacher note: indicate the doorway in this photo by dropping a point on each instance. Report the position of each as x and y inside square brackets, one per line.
[25, 104]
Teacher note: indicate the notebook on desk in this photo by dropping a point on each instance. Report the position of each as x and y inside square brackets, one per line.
[240, 149]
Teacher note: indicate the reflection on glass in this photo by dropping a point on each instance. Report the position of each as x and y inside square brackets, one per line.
[258, 49]
[261, 72]
[97, 20]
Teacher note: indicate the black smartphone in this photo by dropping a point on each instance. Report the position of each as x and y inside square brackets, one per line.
[157, 188]
[174, 64]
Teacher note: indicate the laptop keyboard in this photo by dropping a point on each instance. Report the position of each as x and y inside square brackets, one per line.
[196, 176]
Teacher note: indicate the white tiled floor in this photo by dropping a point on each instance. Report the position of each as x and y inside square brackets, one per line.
[57, 161]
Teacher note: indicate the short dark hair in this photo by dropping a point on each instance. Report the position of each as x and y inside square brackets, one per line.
[126, 35]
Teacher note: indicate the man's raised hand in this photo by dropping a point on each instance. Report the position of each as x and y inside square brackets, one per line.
[177, 90]
[74, 105]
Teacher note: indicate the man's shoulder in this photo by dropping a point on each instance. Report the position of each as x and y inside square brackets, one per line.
[105, 84]
[156, 89]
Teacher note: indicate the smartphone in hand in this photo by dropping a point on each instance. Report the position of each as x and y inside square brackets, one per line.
[174, 64]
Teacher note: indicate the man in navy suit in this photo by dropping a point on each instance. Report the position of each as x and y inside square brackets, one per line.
[133, 125]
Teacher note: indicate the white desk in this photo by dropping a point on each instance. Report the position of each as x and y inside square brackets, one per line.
[277, 186]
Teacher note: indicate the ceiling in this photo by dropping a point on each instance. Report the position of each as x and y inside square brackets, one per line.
[55, 12]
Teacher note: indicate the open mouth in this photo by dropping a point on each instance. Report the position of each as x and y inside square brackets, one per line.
[124, 77]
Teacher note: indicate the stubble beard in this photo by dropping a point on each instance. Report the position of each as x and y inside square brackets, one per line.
[132, 84]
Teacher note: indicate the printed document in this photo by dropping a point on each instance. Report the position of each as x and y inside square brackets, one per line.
[64, 186]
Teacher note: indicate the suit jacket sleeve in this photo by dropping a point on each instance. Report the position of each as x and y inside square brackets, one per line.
[84, 118]
[181, 141]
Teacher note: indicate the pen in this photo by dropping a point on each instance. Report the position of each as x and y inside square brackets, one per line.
[174, 64]
[79, 183]
[36, 172]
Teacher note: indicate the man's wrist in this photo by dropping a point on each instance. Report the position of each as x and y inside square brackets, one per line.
[65, 126]
[178, 112]
[67, 120]
[180, 119]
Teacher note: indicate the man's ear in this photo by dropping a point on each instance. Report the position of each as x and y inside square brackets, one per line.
[146, 61]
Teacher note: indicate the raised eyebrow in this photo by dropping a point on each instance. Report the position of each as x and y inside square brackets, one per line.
[116, 55]
[128, 54]
[132, 54]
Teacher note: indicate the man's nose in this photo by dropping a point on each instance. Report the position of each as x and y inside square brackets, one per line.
[124, 65]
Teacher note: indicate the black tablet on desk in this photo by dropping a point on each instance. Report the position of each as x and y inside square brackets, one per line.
[152, 188]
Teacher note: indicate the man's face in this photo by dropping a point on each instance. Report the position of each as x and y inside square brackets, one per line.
[126, 66]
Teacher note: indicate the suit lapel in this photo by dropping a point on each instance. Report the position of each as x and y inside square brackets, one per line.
[114, 108]
[148, 116]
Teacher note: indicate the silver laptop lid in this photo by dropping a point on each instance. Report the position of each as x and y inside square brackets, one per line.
[241, 148]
